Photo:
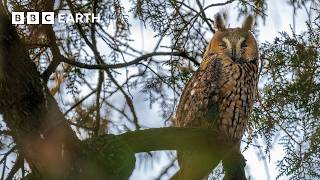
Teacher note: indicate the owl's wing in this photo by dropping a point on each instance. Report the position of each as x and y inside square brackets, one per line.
[198, 107]
[198, 104]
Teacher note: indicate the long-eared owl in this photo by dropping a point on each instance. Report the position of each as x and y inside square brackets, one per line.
[221, 92]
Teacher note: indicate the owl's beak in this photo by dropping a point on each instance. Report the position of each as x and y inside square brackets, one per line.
[234, 54]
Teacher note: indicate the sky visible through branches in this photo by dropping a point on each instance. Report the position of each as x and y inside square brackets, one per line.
[126, 74]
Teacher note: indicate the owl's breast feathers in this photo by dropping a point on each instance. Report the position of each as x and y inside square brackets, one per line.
[219, 95]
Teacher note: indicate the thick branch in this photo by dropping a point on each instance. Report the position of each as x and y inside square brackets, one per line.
[175, 138]
[200, 143]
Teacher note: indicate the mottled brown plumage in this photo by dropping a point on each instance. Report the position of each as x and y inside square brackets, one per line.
[220, 93]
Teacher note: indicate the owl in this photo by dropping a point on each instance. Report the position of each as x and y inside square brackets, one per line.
[221, 92]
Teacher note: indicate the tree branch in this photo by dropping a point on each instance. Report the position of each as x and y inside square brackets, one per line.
[80, 101]
[200, 142]
[56, 55]
[204, 17]
[129, 63]
[174, 138]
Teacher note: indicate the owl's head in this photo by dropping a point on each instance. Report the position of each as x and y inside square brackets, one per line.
[237, 43]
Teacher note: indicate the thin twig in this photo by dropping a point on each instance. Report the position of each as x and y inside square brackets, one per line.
[79, 102]
[129, 63]
[204, 16]
[276, 121]
[98, 106]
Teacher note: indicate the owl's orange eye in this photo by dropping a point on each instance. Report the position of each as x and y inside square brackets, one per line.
[223, 45]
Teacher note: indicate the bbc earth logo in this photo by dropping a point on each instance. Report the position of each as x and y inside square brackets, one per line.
[49, 18]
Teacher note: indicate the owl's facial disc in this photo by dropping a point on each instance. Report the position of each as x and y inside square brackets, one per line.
[234, 47]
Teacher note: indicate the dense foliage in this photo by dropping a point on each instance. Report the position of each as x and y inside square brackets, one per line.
[289, 102]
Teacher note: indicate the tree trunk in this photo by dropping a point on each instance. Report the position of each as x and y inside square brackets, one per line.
[38, 126]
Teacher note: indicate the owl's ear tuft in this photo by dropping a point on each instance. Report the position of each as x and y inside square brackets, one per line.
[248, 23]
[219, 23]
